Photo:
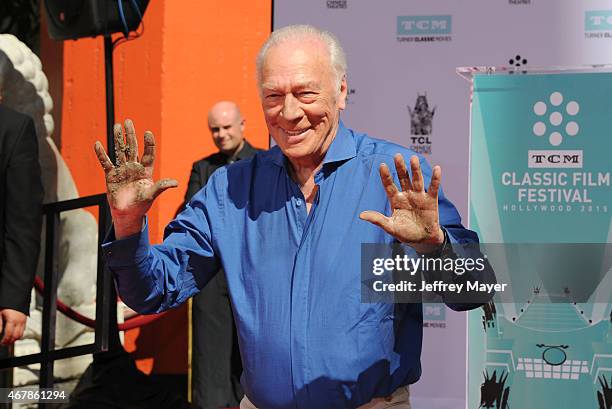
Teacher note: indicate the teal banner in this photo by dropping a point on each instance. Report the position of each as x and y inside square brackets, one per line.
[540, 166]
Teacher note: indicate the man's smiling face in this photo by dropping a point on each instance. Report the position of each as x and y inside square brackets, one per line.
[301, 98]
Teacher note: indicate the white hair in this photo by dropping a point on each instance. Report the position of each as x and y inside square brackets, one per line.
[337, 57]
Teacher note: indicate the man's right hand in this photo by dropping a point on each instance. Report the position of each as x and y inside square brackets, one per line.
[12, 324]
[129, 185]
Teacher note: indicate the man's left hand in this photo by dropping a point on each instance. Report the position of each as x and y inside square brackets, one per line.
[13, 323]
[415, 219]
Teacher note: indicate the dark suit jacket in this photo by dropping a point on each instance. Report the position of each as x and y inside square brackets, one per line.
[21, 195]
[204, 168]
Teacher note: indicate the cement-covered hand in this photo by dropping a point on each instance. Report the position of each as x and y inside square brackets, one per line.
[415, 219]
[129, 184]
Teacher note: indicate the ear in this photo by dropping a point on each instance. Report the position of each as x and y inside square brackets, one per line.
[242, 126]
[342, 94]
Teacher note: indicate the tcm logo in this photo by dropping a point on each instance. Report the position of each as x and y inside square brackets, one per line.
[598, 20]
[555, 159]
[434, 312]
[424, 25]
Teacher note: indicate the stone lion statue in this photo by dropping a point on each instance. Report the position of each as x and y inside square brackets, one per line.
[24, 88]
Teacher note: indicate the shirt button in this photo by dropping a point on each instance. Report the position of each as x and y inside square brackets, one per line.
[109, 253]
[298, 202]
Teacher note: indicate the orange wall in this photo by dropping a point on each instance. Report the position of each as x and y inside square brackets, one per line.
[192, 53]
[210, 55]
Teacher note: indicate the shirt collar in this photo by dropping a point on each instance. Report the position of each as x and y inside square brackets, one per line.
[341, 148]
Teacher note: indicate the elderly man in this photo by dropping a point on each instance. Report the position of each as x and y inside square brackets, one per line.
[287, 227]
[216, 364]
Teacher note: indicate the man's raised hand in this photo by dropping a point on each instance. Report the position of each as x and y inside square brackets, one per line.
[415, 219]
[129, 184]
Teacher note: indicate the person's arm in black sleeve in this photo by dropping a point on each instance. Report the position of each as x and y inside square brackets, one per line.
[194, 183]
[22, 228]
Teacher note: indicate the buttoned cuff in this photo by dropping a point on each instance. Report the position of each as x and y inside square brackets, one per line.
[129, 251]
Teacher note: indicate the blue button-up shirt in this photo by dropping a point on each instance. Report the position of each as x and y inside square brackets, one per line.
[306, 339]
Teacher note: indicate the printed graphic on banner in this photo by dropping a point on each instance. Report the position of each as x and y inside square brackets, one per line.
[598, 24]
[424, 29]
[557, 175]
[434, 315]
[336, 4]
[351, 94]
[540, 173]
[421, 125]
[518, 63]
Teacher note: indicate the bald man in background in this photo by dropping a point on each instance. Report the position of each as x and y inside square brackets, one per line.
[216, 364]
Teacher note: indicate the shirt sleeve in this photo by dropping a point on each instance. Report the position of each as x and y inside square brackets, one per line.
[23, 220]
[155, 278]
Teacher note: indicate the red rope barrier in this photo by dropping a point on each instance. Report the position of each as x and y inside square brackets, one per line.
[131, 323]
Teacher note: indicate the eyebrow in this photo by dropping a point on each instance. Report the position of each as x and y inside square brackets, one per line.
[310, 84]
[305, 85]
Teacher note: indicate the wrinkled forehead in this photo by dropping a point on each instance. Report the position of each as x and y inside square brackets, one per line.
[296, 64]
